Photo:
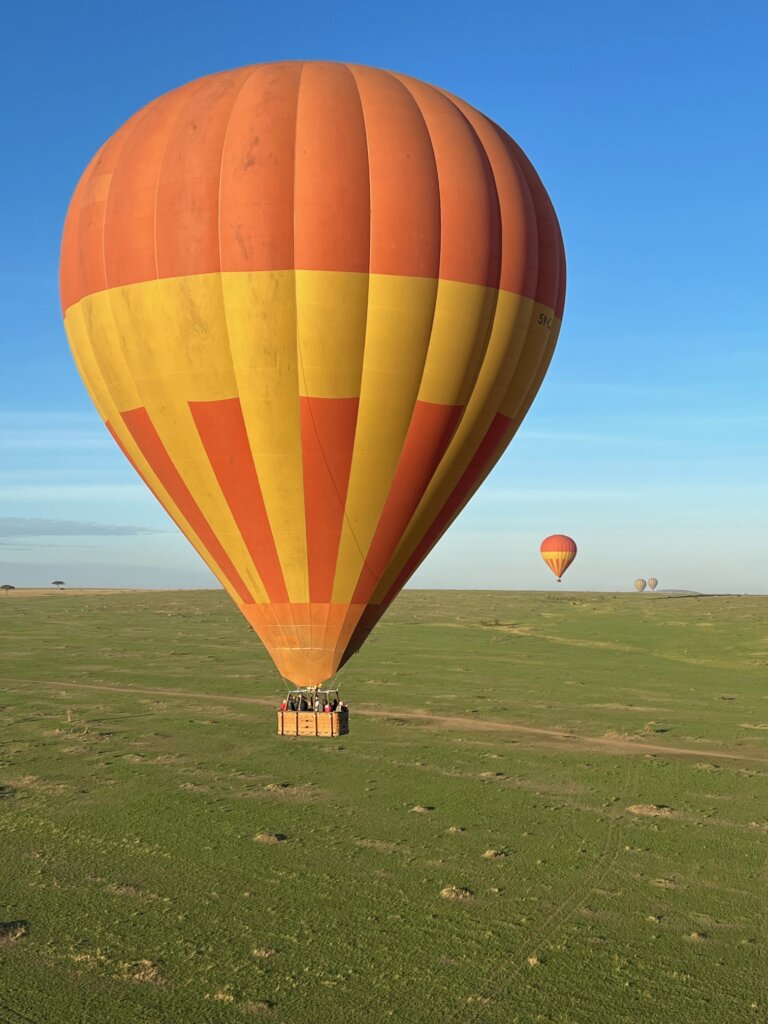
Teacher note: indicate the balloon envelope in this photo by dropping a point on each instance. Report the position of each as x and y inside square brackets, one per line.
[558, 551]
[652, 583]
[640, 585]
[312, 302]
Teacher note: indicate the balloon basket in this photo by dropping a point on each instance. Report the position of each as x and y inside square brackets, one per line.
[312, 723]
[308, 718]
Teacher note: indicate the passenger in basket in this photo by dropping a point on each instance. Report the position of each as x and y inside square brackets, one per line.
[284, 705]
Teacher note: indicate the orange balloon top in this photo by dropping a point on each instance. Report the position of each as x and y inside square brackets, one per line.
[312, 166]
[559, 543]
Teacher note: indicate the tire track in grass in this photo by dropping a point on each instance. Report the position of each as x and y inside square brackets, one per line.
[14, 1016]
[525, 954]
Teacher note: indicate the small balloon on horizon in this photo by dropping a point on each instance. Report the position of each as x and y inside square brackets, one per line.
[558, 551]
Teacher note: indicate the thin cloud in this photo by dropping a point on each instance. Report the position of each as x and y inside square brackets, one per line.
[15, 545]
[73, 492]
[12, 527]
[53, 440]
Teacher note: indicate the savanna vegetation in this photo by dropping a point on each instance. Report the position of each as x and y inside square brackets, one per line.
[550, 808]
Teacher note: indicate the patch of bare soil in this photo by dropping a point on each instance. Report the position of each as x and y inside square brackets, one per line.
[494, 854]
[284, 791]
[376, 844]
[143, 971]
[270, 838]
[263, 953]
[223, 996]
[421, 809]
[132, 892]
[456, 892]
[89, 959]
[38, 784]
[588, 912]
[651, 810]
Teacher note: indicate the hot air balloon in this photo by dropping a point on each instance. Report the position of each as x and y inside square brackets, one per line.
[652, 583]
[558, 551]
[640, 586]
[313, 303]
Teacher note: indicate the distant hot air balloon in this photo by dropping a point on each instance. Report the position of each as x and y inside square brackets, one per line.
[640, 586]
[652, 583]
[558, 551]
[313, 303]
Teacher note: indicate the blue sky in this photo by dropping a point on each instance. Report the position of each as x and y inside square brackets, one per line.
[647, 124]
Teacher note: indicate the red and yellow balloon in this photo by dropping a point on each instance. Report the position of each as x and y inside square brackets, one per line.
[558, 551]
[313, 303]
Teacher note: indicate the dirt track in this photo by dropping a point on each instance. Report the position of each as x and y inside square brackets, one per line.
[612, 744]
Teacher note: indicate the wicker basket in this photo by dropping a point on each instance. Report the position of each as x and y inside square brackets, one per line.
[312, 723]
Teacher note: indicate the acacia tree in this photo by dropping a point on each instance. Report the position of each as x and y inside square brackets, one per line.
[7, 587]
[57, 583]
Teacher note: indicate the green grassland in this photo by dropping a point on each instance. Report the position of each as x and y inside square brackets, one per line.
[550, 808]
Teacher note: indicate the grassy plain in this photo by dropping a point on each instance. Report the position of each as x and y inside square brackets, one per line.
[551, 808]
